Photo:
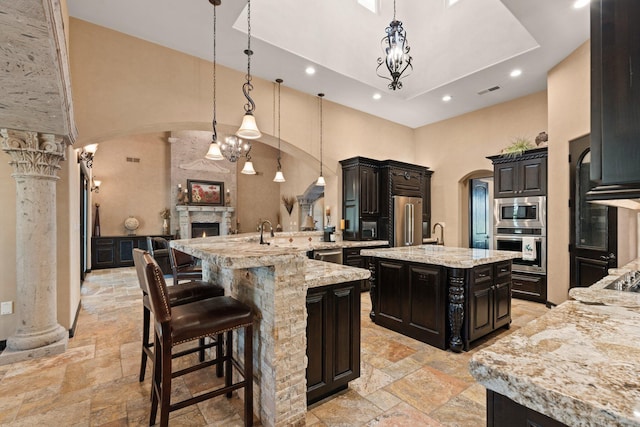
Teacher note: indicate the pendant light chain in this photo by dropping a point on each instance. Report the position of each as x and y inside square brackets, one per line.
[394, 10]
[249, 52]
[321, 95]
[214, 137]
[279, 113]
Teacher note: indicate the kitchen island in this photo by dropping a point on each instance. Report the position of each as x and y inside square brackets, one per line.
[446, 297]
[273, 280]
[578, 365]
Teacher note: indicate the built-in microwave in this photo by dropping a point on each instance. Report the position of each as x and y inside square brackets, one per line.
[515, 212]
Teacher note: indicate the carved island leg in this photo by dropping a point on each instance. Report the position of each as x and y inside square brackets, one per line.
[372, 287]
[456, 307]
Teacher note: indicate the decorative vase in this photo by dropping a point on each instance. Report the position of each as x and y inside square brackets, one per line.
[165, 226]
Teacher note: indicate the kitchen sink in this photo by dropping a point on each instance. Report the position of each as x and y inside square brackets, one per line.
[628, 282]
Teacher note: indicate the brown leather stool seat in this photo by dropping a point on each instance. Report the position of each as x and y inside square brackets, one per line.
[181, 294]
[180, 324]
[184, 266]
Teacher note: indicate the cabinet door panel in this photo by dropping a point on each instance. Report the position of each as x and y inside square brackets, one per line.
[481, 312]
[426, 300]
[532, 178]
[505, 176]
[502, 304]
[317, 372]
[390, 293]
[344, 316]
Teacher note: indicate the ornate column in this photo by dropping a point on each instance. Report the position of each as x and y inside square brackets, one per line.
[35, 160]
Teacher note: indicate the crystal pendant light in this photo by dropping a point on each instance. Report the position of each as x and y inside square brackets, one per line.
[321, 182]
[214, 149]
[248, 128]
[279, 175]
[396, 53]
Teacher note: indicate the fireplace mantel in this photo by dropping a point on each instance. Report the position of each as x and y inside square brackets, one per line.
[188, 214]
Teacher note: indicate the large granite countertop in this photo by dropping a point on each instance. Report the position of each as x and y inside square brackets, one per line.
[443, 255]
[579, 363]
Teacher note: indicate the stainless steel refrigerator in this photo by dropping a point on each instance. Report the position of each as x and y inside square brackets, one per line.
[407, 221]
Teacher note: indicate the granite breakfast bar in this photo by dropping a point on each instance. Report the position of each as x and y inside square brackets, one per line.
[273, 280]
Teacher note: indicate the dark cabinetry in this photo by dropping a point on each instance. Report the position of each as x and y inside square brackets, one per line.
[532, 287]
[490, 299]
[411, 299]
[360, 198]
[116, 251]
[615, 97]
[504, 412]
[367, 189]
[333, 338]
[522, 176]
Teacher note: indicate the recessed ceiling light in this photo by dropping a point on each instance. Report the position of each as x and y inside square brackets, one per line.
[516, 72]
[449, 3]
[377, 96]
[446, 98]
[578, 4]
[310, 70]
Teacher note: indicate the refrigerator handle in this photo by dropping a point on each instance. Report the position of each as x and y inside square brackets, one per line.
[408, 224]
[411, 224]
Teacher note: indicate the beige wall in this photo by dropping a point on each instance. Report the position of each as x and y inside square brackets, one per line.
[569, 118]
[456, 149]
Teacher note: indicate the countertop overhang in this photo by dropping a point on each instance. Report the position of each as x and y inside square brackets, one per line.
[443, 255]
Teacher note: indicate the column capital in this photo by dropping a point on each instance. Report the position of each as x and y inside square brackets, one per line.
[32, 153]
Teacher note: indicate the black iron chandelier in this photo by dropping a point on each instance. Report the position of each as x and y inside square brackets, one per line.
[396, 53]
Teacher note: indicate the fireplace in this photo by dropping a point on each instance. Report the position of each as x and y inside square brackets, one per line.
[192, 217]
[205, 229]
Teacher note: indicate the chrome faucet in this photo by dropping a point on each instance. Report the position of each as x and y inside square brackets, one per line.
[439, 240]
[266, 221]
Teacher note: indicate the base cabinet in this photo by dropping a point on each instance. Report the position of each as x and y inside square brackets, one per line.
[116, 251]
[532, 287]
[504, 412]
[333, 338]
[490, 299]
[411, 299]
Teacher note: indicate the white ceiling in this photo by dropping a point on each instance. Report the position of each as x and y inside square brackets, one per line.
[459, 50]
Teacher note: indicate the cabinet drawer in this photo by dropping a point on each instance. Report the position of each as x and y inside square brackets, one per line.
[503, 269]
[533, 287]
[483, 273]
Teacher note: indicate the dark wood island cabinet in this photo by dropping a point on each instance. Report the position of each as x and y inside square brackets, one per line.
[117, 251]
[333, 338]
[445, 297]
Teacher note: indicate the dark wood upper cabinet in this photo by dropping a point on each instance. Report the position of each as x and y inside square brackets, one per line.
[520, 176]
[615, 97]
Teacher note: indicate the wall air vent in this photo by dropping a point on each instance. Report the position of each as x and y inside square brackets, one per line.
[491, 89]
[133, 159]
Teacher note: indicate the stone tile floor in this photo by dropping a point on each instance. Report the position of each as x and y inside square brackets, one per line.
[95, 382]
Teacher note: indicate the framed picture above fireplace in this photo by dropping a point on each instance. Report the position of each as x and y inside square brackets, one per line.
[205, 192]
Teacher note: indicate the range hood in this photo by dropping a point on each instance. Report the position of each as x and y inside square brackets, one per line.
[620, 196]
[312, 193]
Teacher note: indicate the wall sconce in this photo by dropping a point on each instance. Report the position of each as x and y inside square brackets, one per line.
[95, 185]
[86, 154]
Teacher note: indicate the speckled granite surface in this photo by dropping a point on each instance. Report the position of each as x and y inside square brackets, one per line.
[578, 364]
[597, 294]
[319, 273]
[443, 255]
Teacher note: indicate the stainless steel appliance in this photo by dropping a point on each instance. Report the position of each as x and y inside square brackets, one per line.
[328, 255]
[518, 218]
[407, 221]
[530, 212]
[513, 242]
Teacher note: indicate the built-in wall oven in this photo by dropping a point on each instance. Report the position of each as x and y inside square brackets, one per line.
[520, 226]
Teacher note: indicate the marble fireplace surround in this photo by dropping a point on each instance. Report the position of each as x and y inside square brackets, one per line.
[188, 214]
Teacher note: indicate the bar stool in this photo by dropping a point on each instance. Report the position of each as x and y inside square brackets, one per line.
[181, 294]
[183, 266]
[188, 322]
